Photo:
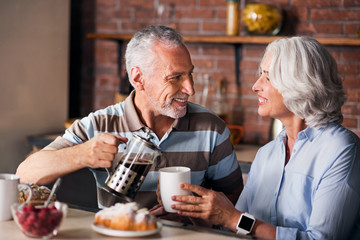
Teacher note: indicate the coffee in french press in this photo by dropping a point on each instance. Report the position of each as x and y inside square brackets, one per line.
[132, 168]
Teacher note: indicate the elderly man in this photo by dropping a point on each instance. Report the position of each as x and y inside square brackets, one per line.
[160, 70]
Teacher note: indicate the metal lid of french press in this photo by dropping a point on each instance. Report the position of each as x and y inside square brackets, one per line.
[146, 142]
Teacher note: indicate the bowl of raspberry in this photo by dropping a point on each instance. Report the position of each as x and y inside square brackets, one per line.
[39, 221]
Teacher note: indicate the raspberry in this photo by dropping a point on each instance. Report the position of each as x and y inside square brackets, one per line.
[43, 214]
[31, 218]
[29, 208]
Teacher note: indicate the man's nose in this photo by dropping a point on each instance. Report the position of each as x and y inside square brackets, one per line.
[188, 86]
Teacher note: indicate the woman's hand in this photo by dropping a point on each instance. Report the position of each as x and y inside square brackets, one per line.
[208, 205]
[159, 211]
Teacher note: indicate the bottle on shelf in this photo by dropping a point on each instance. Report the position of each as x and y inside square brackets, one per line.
[232, 17]
[219, 105]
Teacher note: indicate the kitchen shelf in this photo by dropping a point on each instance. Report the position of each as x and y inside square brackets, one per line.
[236, 41]
[233, 39]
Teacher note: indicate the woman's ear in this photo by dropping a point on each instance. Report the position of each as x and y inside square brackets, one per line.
[137, 78]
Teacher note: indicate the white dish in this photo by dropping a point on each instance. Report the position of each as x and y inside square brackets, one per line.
[118, 233]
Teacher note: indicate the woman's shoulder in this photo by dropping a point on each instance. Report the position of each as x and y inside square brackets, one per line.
[336, 134]
[336, 146]
[270, 151]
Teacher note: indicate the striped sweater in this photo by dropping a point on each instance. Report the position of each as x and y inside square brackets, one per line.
[200, 140]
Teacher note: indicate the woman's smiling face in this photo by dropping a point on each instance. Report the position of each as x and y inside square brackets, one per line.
[270, 101]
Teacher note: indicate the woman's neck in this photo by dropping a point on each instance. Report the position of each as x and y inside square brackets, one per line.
[292, 127]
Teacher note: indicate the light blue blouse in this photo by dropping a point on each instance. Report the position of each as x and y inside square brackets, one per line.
[317, 194]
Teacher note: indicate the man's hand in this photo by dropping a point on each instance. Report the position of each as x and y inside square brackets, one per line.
[99, 151]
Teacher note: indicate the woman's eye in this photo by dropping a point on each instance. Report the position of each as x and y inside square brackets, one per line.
[264, 73]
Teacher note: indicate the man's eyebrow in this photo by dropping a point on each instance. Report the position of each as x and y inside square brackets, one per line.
[180, 73]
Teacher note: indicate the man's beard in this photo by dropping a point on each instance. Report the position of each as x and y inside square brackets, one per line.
[168, 110]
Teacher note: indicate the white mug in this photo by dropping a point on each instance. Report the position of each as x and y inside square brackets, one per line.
[170, 179]
[9, 194]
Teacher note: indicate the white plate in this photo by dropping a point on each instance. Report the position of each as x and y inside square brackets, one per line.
[118, 233]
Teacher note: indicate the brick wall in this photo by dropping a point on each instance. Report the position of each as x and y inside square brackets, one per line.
[331, 18]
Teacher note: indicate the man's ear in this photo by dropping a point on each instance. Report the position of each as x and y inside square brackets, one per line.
[137, 78]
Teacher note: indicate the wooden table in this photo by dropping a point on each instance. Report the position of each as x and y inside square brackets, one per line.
[77, 225]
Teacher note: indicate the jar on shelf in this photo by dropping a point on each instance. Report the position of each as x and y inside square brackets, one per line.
[232, 17]
[262, 19]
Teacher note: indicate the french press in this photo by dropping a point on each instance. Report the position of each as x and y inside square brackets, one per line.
[132, 167]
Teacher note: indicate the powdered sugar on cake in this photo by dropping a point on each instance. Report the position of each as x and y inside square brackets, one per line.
[126, 216]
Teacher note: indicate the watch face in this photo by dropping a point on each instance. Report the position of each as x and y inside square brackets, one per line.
[246, 223]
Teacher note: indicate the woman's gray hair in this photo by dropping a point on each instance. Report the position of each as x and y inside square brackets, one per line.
[139, 52]
[306, 76]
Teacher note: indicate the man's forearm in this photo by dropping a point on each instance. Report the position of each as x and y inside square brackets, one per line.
[46, 165]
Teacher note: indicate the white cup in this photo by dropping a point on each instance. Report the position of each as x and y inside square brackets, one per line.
[8, 194]
[170, 179]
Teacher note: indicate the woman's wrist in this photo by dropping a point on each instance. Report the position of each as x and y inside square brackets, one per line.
[232, 221]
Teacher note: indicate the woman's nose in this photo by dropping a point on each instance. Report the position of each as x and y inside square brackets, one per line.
[256, 86]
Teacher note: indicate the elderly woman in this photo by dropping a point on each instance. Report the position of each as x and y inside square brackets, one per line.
[305, 184]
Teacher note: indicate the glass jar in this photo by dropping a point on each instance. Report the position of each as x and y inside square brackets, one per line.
[262, 19]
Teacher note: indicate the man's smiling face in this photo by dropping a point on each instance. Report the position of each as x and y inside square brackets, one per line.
[171, 82]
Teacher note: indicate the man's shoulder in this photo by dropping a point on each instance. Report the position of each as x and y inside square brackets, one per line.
[195, 109]
[109, 119]
[116, 109]
[200, 115]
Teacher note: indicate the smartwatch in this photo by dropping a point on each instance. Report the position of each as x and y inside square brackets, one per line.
[245, 224]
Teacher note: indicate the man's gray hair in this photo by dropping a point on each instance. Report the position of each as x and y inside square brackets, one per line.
[139, 52]
[306, 76]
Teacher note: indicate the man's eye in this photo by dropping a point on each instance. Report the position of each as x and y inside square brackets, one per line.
[176, 78]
